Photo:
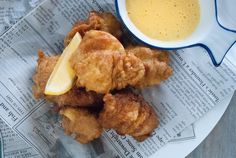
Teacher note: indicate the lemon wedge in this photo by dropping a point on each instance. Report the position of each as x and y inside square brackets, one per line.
[62, 77]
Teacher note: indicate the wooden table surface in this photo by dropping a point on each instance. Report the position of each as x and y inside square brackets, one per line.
[221, 143]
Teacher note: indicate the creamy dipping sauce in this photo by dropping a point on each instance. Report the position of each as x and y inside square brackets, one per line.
[165, 20]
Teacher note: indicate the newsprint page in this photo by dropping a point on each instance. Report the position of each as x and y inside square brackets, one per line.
[30, 129]
[11, 145]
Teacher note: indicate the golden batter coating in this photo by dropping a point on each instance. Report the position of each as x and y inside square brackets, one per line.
[128, 113]
[156, 65]
[96, 21]
[75, 97]
[101, 63]
[82, 123]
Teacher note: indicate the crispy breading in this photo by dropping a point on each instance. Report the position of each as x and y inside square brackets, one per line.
[156, 65]
[128, 113]
[75, 97]
[43, 72]
[128, 70]
[145, 53]
[101, 63]
[82, 123]
[96, 21]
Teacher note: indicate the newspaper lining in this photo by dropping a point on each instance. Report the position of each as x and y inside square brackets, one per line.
[11, 144]
[184, 98]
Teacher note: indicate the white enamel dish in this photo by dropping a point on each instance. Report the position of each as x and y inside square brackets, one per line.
[209, 34]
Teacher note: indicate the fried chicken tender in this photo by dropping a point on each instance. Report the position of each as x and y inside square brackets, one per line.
[82, 123]
[101, 63]
[156, 65]
[75, 97]
[96, 21]
[129, 114]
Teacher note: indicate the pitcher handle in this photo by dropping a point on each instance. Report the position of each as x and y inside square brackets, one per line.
[218, 42]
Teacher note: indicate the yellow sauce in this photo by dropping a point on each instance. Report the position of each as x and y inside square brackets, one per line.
[165, 20]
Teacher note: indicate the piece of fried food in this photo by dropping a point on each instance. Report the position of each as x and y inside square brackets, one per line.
[82, 123]
[156, 65]
[129, 114]
[43, 72]
[75, 97]
[101, 63]
[96, 21]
